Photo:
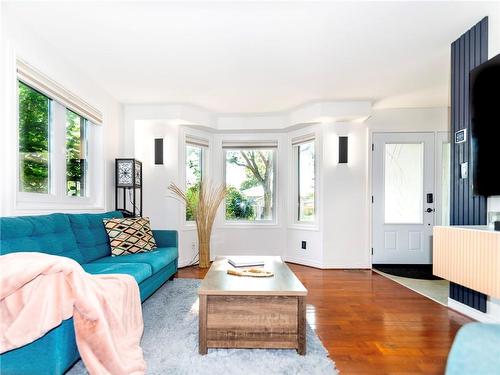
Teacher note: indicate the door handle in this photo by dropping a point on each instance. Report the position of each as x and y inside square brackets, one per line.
[429, 210]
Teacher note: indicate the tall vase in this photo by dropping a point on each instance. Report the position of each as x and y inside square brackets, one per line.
[204, 253]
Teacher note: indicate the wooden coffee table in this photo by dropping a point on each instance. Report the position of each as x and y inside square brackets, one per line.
[251, 312]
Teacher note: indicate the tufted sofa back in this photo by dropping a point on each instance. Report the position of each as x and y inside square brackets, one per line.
[49, 234]
[81, 237]
[91, 237]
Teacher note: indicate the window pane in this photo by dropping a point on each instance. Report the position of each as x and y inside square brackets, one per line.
[404, 183]
[194, 172]
[34, 122]
[76, 154]
[250, 181]
[306, 181]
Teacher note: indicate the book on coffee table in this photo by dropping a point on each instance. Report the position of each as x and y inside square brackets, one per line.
[245, 262]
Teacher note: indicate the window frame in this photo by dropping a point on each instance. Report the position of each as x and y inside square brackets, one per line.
[86, 131]
[310, 134]
[51, 159]
[57, 197]
[253, 223]
[185, 134]
[296, 183]
[204, 152]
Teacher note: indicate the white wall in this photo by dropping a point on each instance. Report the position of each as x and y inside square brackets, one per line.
[163, 210]
[17, 41]
[345, 198]
[409, 120]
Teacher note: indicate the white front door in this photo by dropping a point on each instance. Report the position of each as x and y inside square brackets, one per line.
[403, 198]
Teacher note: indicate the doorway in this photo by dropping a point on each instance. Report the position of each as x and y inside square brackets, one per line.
[407, 167]
[403, 198]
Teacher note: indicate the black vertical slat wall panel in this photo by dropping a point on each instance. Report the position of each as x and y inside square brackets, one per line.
[467, 52]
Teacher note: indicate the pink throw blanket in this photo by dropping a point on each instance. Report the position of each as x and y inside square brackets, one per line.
[38, 291]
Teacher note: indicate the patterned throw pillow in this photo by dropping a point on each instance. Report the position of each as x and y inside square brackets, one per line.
[129, 235]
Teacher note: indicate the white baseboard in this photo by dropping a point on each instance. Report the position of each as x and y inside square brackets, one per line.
[472, 313]
[324, 266]
[303, 262]
[337, 266]
[184, 263]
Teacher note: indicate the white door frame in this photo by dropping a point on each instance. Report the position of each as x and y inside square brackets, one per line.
[440, 136]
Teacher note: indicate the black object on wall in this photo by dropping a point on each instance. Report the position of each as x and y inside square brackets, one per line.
[467, 52]
[343, 149]
[158, 151]
[485, 127]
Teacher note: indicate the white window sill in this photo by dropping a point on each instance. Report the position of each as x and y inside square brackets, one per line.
[249, 225]
[188, 226]
[58, 206]
[314, 227]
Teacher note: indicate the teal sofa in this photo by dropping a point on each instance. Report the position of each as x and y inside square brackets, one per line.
[475, 350]
[83, 238]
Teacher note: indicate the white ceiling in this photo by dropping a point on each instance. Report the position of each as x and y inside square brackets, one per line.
[254, 57]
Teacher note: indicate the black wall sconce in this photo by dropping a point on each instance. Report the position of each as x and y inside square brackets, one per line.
[343, 150]
[158, 151]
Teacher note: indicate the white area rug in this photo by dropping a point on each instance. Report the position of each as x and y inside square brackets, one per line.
[170, 342]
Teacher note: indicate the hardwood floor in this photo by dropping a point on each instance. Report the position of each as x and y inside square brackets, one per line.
[372, 325]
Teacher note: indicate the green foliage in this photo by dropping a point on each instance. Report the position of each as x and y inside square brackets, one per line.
[192, 194]
[75, 154]
[237, 205]
[34, 109]
[193, 180]
[194, 163]
[250, 182]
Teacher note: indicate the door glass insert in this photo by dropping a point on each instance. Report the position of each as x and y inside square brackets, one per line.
[403, 183]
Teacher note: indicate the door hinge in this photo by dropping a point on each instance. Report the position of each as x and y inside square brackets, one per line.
[372, 198]
[373, 146]
[372, 250]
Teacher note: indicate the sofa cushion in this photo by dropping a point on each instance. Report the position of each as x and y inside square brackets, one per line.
[157, 258]
[129, 235]
[140, 271]
[91, 235]
[49, 234]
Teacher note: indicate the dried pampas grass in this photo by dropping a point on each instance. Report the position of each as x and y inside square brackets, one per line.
[204, 210]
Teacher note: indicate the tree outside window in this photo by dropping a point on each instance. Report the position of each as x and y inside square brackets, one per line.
[76, 154]
[34, 140]
[194, 175]
[250, 183]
